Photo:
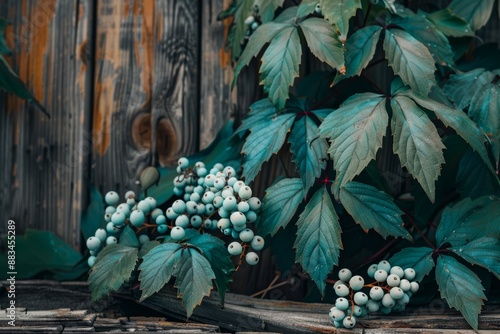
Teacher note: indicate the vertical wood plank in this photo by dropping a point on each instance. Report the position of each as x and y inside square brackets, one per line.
[123, 92]
[216, 98]
[45, 158]
[175, 105]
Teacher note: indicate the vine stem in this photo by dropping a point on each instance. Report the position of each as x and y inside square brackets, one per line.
[377, 87]
[419, 231]
[271, 286]
[377, 254]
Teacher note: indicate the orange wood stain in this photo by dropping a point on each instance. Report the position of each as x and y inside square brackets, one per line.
[159, 25]
[224, 52]
[41, 16]
[81, 75]
[82, 49]
[148, 43]
[107, 62]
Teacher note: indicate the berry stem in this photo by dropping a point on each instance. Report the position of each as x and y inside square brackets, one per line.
[374, 84]
[331, 281]
[145, 226]
[374, 284]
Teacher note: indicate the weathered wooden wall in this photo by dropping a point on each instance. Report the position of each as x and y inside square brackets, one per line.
[43, 161]
[122, 80]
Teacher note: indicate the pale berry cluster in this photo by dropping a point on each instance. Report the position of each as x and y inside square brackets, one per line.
[252, 22]
[390, 291]
[217, 199]
[117, 215]
[210, 200]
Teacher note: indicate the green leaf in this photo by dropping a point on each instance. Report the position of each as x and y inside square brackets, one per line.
[484, 252]
[244, 8]
[457, 120]
[306, 7]
[450, 24]
[322, 113]
[260, 145]
[11, 83]
[484, 109]
[355, 131]
[434, 40]
[360, 48]
[318, 241]
[147, 247]
[460, 287]
[473, 178]
[410, 59]
[92, 218]
[477, 13]
[418, 258]
[417, 143]
[401, 10]
[157, 268]
[215, 251]
[460, 88]
[339, 12]
[4, 49]
[113, 267]
[372, 208]
[259, 38]
[260, 111]
[280, 204]
[398, 86]
[40, 252]
[288, 16]
[223, 149]
[309, 151]
[193, 278]
[280, 64]
[468, 220]
[323, 42]
[267, 8]
[128, 238]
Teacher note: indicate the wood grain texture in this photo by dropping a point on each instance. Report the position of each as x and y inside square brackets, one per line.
[122, 93]
[175, 103]
[216, 98]
[242, 313]
[44, 159]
